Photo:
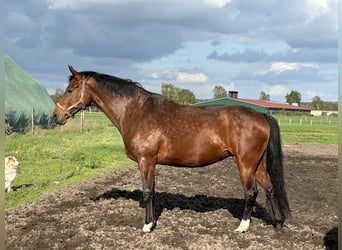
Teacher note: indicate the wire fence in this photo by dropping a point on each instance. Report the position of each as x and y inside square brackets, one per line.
[307, 120]
[83, 121]
[88, 120]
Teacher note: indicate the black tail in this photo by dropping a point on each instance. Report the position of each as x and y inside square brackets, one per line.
[274, 166]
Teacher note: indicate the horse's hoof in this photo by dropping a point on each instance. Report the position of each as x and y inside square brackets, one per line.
[148, 227]
[243, 227]
[278, 225]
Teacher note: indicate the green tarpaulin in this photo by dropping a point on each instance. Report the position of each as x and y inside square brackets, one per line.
[23, 94]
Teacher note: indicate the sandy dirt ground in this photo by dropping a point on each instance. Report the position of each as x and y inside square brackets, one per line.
[197, 209]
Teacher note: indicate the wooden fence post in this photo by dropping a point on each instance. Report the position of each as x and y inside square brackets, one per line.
[82, 120]
[32, 121]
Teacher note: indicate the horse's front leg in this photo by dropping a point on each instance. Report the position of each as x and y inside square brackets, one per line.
[147, 170]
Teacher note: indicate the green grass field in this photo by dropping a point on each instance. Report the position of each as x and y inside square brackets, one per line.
[55, 158]
[320, 129]
[52, 159]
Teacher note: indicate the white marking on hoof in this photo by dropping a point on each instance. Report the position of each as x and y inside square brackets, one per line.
[244, 225]
[148, 227]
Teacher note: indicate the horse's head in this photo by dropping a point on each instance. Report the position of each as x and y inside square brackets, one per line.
[74, 98]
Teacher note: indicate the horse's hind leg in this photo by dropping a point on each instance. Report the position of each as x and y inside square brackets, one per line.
[247, 175]
[147, 170]
[271, 205]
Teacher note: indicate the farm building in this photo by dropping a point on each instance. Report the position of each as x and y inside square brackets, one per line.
[260, 105]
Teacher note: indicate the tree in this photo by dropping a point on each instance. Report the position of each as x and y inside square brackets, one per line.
[317, 103]
[293, 97]
[178, 95]
[57, 95]
[186, 96]
[219, 92]
[169, 90]
[264, 96]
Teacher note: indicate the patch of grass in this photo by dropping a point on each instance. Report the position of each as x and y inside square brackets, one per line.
[297, 129]
[53, 159]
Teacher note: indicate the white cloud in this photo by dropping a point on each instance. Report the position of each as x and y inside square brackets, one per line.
[74, 4]
[279, 67]
[316, 8]
[60, 4]
[217, 3]
[229, 87]
[164, 75]
[191, 78]
[309, 94]
[179, 77]
[322, 93]
[175, 7]
[276, 90]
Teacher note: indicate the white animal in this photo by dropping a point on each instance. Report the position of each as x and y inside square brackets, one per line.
[11, 166]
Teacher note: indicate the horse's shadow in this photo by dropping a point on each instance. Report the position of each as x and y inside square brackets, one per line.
[198, 203]
[331, 239]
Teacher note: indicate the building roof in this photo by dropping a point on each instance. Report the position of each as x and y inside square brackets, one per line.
[273, 105]
[260, 105]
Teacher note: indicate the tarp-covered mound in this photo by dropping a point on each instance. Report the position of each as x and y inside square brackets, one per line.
[22, 95]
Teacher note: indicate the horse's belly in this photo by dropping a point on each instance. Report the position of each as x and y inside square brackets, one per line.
[192, 156]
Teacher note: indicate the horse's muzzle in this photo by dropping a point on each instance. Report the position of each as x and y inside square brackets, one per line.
[60, 120]
[59, 117]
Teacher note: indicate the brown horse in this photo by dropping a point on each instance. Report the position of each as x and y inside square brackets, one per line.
[156, 130]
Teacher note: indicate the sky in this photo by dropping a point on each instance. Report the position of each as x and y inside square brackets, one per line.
[247, 46]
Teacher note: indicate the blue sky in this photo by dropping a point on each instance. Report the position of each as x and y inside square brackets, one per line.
[250, 46]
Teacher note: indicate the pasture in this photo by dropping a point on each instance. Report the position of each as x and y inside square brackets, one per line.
[55, 158]
[319, 129]
[73, 188]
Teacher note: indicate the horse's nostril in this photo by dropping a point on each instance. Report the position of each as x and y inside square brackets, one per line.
[55, 118]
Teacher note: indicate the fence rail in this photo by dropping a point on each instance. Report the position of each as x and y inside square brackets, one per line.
[307, 120]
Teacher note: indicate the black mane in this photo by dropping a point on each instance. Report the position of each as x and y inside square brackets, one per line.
[119, 86]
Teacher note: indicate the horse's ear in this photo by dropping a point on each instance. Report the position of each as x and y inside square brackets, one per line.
[74, 72]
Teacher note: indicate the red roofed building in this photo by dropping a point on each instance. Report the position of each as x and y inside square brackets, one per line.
[260, 105]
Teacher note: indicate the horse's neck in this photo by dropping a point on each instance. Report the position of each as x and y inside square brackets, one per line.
[114, 107]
